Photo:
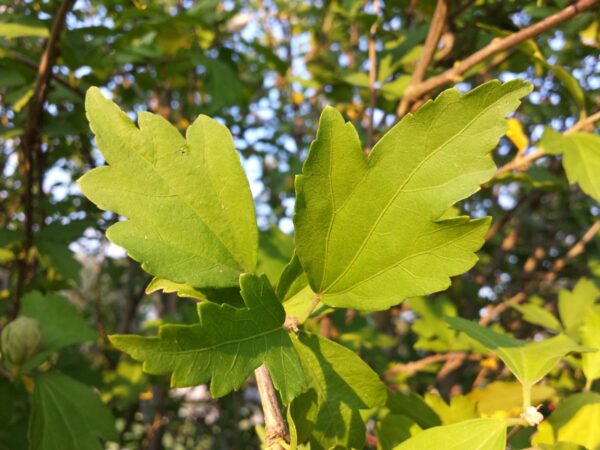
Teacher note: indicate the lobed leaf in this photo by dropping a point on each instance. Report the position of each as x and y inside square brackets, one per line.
[67, 415]
[225, 346]
[528, 361]
[475, 434]
[369, 230]
[61, 323]
[341, 384]
[575, 420]
[581, 157]
[187, 222]
[573, 305]
[590, 337]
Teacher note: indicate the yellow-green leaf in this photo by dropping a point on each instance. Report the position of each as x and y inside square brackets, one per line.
[368, 230]
[187, 222]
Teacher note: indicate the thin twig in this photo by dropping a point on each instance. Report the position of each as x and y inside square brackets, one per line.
[454, 74]
[315, 301]
[520, 162]
[438, 22]
[372, 77]
[31, 141]
[575, 250]
[412, 367]
[33, 65]
[275, 429]
[584, 123]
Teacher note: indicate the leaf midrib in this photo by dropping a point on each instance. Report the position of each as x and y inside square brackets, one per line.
[176, 194]
[399, 191]
[223, 343]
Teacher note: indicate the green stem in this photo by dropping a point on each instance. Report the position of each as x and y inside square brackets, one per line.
[526, 396]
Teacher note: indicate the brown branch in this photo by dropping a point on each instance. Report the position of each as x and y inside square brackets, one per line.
[584, 123]
[275, 428]
[31, 141]
[372, 77]
[436, 29]
[520, 162]
[33, 65]
[156, 429]
[413, 367]
[559, 264]
[454, 74]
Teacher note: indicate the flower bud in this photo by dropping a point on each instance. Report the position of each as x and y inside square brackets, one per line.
[532, 416]
[21, 340]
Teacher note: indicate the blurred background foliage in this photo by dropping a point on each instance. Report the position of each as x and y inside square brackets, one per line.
[266, 69]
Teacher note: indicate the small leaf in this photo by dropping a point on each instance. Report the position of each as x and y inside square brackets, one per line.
[475, 434]
[67, 415]
[431, 327]
[553, 142]
[581, 161]
[573, 305]
[341, 385]
[368, 232]
[581, 158]
[517, 135]
[575, 420]
[225, 346]
[414, 407]
[295, 293]
[275, 249]
[503, 399]
[16, 30]
[590, 337]
[538, 315]
[62, 325]
[53, 242]
[187, 222]
[528, 361]
[394, 429]
[459, 409]
[181, 289]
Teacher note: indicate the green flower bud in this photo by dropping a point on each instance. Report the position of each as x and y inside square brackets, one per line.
[21, 340]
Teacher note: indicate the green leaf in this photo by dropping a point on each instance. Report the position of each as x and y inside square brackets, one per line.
[225, 346]
[394, 90]
[581, 161]
[341, 385]
[475, 434]
[53, 242]
[187, 222]
[16, 30]
[528, 361]
[359, 79]
[295, 293]
[414, 407]
[275, 249]
[581, 157]
[590, 337]
[538, 315]
[368, 232]
[62, 324]
[67, 415]
[181, 289]
[553, 142]
[575, 420]
[394, 429]
[573, 305]
[459, 409]
[431, 327]
[503, 398]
